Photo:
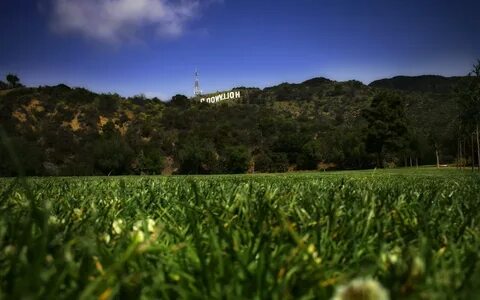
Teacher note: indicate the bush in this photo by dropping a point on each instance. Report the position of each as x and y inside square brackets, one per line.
[235, 159]
[271, 162]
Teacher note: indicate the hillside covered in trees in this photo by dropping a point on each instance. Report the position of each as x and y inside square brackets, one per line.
[317, 124]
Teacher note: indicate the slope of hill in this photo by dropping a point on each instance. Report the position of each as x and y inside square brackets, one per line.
[315, 124]
[423, 84]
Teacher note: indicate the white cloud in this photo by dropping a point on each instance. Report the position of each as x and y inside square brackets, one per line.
[117, 20]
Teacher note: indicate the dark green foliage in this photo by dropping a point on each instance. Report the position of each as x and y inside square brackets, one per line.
[424, 84]
[151, 161]
[469, 101]
[64, 94]
[280, 162]
[235, 159]
[387, 129]
[112, 156]
[197, 157]
[263, 163]
[108, 103]
[468, 95]
[180, 101]
[29, 154]
[318, 81]
[276, 162]
[140, 99]
[311, 154]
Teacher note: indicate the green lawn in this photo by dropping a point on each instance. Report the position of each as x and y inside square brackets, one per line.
[264, 236]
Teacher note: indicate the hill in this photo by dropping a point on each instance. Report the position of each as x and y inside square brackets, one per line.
[318, 123]
[423, 84]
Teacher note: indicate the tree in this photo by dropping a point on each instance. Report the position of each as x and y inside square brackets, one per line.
[271, 162]
[13, 80]
[280, 162]
[387, 129]
[310, 155]
[150, 161]
[112, 155]
[111, 152]
[197, 156]
[476, 69]
[235, 159]
[180, 101]
[324, 149]
[109, 130]
[263, 163]
[469, 102]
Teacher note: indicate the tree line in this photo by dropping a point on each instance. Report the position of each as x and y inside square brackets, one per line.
[468, 131]
[12, 82]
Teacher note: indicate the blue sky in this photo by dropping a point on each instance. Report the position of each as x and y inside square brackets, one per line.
[154, 46]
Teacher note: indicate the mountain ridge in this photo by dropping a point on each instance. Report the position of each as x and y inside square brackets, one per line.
[398, 82]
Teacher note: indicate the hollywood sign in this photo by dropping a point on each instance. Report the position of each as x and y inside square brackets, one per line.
[222, 97]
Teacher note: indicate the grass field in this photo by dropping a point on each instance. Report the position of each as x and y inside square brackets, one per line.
[292, 236]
